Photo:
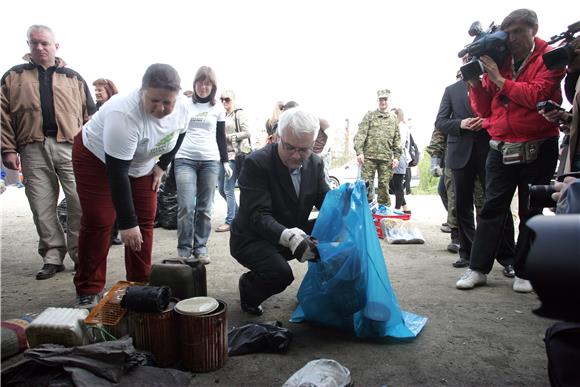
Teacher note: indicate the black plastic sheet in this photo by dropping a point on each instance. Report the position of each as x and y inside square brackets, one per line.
[259, 337]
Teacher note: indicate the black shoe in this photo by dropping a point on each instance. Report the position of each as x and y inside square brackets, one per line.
[116, 241]
[509, 271]
[461, 262]
[255, 310]
[48, 271]
[453, 247]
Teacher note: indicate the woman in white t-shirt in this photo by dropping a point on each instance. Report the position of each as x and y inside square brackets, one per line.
[197, 165]
[114, 160]
[400, 171]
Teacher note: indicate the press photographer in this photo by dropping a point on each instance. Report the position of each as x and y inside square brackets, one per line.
[524, 145]
[569, 121]
[553, 267]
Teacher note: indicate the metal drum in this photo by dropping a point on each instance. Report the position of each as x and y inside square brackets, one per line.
[203, 333]
[156, 332]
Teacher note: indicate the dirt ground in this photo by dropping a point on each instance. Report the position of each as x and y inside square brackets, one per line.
[487, 336]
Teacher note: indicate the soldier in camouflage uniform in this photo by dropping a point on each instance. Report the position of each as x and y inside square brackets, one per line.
[378, 146]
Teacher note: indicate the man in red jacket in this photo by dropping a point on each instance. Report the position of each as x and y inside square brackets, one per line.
[524, 145]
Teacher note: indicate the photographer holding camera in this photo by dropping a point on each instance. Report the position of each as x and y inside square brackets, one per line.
[524, 145]
[569, 122]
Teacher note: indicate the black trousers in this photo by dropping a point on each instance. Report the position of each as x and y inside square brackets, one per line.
[501, 182]
[399, 189]
[269, 272]
[442, 191]
[465, 179]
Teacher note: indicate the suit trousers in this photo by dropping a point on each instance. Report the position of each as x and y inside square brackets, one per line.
[501, 183]
[97, 221]
[269, 272]
[44, 166]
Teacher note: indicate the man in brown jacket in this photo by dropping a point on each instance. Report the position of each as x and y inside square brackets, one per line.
[44, 105]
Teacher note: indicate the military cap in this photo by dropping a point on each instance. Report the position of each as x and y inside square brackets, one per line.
[384, 93]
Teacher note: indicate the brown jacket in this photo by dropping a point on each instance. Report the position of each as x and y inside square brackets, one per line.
[21, 110]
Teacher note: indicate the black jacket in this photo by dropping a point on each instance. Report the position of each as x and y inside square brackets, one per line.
[460, 142]
[268, 201]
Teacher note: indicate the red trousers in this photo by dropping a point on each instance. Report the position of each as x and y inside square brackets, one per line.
[98, 216]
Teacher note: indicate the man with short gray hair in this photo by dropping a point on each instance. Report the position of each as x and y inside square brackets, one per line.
[44, 105]
[279, 185]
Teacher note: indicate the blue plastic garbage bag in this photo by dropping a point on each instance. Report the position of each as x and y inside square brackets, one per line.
[349, 287]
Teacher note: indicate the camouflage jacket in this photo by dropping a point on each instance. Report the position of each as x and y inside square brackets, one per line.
[438, 144]
[378, 136]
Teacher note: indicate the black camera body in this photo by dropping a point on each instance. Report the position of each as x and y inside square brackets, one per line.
[491, 42]
[562, 56]
[548, 106]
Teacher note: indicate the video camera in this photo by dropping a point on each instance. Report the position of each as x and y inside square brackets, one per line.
[491, 42]
[564, 55]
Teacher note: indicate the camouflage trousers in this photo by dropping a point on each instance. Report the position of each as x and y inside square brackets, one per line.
[384, 170]
[478, 197]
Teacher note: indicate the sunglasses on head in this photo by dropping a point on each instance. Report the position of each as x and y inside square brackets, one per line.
[225, 99]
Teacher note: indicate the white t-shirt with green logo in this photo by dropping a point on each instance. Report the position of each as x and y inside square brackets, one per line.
[123, 129]
[200, 141]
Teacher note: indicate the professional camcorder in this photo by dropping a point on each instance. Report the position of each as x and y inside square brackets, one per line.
[564, 55]
[491, 43]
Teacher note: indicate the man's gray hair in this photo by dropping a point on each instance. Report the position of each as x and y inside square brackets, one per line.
[298, 122]
[39, 27]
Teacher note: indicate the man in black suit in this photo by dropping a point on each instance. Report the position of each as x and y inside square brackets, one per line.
[278, 187]
[467, 148]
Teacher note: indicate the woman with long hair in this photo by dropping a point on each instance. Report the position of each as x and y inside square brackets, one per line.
[197, 165]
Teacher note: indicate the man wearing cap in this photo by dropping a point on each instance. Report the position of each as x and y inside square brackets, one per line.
[377, 146]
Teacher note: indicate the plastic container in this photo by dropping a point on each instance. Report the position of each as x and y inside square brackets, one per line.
[377, 220]
[186, 279]
[58, 326]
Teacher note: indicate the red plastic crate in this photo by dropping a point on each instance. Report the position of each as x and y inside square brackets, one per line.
[377, 221]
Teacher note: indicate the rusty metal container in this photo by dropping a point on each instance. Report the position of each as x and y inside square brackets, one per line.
[156, 333]
[203, 338]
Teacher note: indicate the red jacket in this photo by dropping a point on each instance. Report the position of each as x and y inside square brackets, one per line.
[518, 119]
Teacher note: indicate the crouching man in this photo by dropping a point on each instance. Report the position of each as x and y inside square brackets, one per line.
[278, 187]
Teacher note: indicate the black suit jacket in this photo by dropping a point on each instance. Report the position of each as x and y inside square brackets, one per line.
[461, 143]
[269, 204]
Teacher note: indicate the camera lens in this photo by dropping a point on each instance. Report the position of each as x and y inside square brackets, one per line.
[541, 196]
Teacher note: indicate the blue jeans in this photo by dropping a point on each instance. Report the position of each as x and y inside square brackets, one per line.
[196, 182]
[227, 189]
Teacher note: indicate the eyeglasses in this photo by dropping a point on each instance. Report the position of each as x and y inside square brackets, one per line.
[383, 99]
[292, 149]
[204, 83]
[226, 99]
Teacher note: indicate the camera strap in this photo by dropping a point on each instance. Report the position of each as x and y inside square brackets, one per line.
[516, 73]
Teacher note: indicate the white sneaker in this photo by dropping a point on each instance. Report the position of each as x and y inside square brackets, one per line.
[203, 258]
[471, 279]
[522, 286]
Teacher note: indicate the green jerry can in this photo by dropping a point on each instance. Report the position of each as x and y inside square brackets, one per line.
[185, 277]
